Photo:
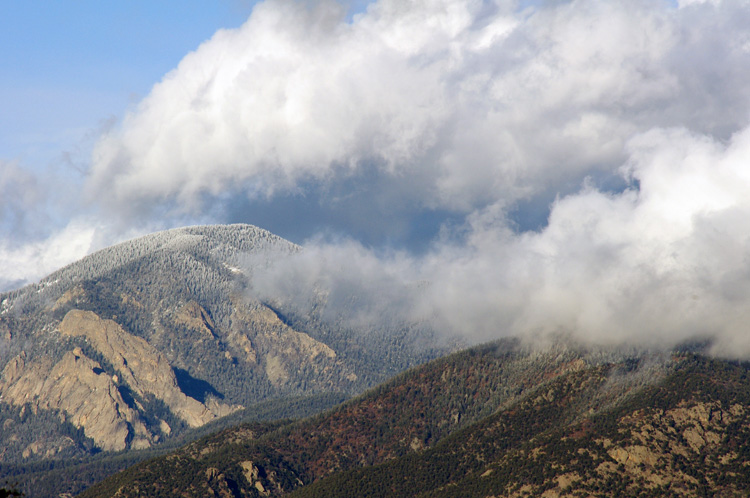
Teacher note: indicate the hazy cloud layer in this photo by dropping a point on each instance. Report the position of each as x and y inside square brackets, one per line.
[453, 127]
[31, 260]
[656, 265]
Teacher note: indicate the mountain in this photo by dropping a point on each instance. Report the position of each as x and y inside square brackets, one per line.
[152, 338]
[499, 420]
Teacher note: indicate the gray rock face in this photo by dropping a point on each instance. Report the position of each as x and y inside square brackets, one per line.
[140, 365]
[77, 387]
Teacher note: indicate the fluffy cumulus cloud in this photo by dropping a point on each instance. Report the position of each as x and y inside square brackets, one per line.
[474, 107]
[663, 262]
[659, 264]
[624, 123]
[469, 101]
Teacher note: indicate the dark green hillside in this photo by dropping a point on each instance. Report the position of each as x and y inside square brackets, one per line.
[397, 422]
[688, 435]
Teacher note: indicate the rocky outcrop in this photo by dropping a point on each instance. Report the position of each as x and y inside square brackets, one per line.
[70, 297]
[47, 449]
[194, 316]
[84, 394]
[650, 441]
[252, 474]
[284, 353]
[78, 387]
[140, 365]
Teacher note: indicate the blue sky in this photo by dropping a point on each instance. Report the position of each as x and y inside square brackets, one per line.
[68, 67]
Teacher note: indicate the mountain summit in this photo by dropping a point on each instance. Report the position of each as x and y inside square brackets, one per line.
[160, 334]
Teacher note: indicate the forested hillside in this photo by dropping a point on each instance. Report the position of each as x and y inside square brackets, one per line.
[687, 435]
[426, 430]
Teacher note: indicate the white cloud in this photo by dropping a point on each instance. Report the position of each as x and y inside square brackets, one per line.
[44, 225]
[30, 261]
[478, 100]
[687, 3]
[19, 190]
[656, 265]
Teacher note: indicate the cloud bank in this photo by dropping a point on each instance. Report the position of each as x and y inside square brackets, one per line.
[575, 167]
[663, 262]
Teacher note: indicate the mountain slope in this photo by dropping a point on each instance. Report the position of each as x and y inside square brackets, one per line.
[688, 435]
[506, 392]
[147, 339]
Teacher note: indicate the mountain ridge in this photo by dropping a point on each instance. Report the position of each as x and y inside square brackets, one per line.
[492, 421]
[142, 341]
